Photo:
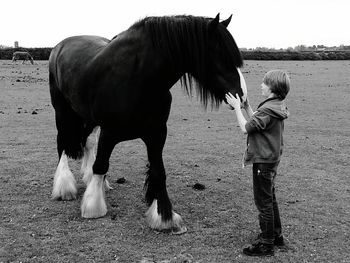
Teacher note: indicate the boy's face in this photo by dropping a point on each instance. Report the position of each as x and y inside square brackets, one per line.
[265, 90]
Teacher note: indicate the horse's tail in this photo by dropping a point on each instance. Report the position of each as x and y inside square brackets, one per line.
[71, 128]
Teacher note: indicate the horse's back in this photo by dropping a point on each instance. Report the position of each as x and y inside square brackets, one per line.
[68, 62]
[83, 43]
[67, 70]
[76, 51]
[101, 78]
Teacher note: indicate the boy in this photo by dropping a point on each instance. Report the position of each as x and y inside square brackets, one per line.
[265, 144]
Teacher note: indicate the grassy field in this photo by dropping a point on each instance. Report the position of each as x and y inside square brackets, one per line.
[313, 185]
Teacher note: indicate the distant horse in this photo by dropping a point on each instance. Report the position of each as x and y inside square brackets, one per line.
[108, 91]
[19, 55]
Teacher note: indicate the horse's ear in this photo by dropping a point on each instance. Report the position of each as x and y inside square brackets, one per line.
[226, 22]
[213, 24]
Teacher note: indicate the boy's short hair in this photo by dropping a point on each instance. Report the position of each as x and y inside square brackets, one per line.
[278, 81]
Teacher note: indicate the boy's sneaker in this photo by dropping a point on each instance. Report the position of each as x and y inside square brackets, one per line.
[279, 241]
[259, 249]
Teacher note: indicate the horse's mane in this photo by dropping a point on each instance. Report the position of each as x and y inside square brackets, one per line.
[184, 40]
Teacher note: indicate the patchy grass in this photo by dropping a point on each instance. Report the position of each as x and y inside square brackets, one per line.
[313, 186]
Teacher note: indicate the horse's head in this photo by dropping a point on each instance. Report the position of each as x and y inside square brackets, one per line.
[224, 61]
[201, 49]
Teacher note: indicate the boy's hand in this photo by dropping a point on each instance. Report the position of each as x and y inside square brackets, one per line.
[234, 102]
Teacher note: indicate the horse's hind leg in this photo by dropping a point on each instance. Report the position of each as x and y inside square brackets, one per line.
[89, 154]
[70, 128]
[160, 215]
[64, 186]
[94, 204]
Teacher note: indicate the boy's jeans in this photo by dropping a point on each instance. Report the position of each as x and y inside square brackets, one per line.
[265, 200]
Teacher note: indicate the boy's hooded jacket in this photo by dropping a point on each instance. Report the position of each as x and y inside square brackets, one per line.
[265, 132]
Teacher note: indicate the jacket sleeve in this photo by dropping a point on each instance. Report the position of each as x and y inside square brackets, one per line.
[257, 122]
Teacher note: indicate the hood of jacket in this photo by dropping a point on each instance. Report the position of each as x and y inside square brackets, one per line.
[275, 108]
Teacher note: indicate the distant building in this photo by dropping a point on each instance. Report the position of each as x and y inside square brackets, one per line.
[16, 44]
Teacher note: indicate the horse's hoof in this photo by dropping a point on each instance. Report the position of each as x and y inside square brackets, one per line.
[179, 230]
[65, 197]
[93, 204]
[90, 209]
[154, 220]
[64, 186]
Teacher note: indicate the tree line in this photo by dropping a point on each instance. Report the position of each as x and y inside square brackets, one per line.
[251, 54]
[296, 55]
[36, 53]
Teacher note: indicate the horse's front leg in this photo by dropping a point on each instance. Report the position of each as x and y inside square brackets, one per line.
[160, 215]
[94, 204]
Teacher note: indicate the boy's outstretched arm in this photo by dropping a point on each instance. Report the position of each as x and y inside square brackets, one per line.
[235, 102]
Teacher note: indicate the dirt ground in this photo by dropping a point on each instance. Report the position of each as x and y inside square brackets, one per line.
[313, 185]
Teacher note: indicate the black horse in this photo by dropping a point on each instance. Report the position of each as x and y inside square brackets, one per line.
[108, 91]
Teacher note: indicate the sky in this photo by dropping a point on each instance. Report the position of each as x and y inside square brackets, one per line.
[255, 23]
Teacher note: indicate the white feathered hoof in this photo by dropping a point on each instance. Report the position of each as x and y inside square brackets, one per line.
[94, 204]
[64, 185]
[154, 220]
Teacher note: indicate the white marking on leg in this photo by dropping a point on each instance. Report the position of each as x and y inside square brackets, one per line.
[64, 185]
[86, 165]
[89, 155]
[243, 85]
[155, 221]
[94, 204]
